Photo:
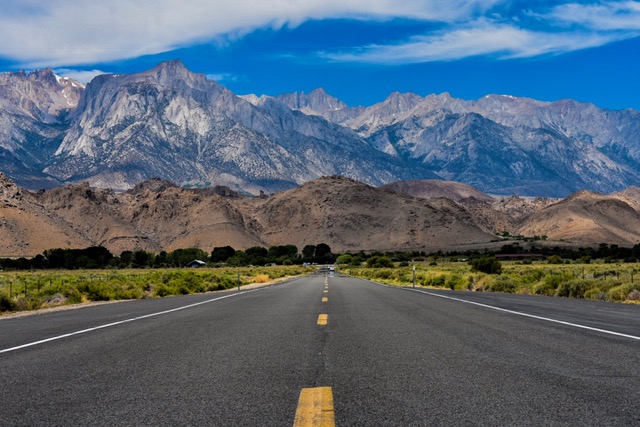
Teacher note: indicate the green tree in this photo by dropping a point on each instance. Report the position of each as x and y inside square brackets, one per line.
[160, 259]
[323, 251]
[142, 259]
[344, 259]
[222, 254]
[126, 259]
[257, 255]
[554, 259]
[308, 252]
[239, 259]
[181, 257]
[280, 253]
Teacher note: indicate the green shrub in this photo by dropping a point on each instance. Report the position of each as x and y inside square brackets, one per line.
[97, 291]
[488, 265]
[384, 274]
[534, 276]
[554, 259]
[455, 281]
[595, 294]
[437, 281]
[164, 290]
[6, 303]
[574, 288]
[550, 284]
[379, 262]
[502, 283]
[73, 295]
[621, 292]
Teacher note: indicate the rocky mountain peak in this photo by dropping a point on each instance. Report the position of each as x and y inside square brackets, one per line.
[170, 72]
[173, 67]
[47, 75]
[317, 102]
[402, 101]
[41, 94]
[176, 124]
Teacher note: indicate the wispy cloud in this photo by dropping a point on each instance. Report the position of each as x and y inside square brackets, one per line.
[567, 27]
[68, 33]
[482, 38]
[71, 32]
[606, 16]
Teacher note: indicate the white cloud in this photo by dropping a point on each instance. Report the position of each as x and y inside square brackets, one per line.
[570, 27]
[606, 16]
[37, 33]
[83, 76]
[479, 38]
[71, 32]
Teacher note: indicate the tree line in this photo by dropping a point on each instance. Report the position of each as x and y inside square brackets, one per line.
[98, 257]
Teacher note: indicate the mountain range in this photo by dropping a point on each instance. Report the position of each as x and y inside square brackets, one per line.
[426, 215]
[170, 123]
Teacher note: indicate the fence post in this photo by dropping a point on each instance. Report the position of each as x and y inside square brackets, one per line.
[414, 275]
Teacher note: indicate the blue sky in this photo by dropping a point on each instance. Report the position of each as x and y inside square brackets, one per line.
[358, 50]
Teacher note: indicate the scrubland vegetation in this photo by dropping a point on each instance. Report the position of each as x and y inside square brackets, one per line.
[69, 276]
[39, 289]
[578, 279]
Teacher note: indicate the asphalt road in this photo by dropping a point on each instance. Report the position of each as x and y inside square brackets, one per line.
[392, 357]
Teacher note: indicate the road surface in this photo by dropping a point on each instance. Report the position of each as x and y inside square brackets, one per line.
[351, 352]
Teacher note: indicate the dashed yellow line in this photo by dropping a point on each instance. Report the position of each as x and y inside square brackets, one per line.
[315, 408]
[323, 319]
[325, 291]
[325, 299]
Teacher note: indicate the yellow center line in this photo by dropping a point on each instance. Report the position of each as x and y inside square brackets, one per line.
[325, 291]
[315, 408]
[323, 319]
[325, 299]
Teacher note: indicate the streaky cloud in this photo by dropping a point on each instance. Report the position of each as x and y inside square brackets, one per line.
[482, 38]
[60, 33]
[605, 16]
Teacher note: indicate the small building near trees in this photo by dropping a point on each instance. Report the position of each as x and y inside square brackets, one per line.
[196, 263]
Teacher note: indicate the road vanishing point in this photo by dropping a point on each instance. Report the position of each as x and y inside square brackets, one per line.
[325, 351]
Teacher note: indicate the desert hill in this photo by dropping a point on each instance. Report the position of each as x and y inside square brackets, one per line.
[27, 228]
[346, 214]
[430, 188]
[586, 217]
[352, 216]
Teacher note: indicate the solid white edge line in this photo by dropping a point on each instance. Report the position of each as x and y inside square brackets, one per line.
[120, 322]
[519, 313]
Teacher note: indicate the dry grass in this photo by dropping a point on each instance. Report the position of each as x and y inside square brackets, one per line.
[261, 278]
